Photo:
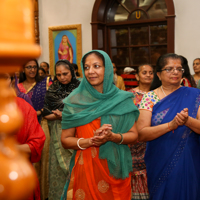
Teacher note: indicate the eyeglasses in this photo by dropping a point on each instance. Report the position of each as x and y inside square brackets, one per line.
[31, 67]
[172, 69]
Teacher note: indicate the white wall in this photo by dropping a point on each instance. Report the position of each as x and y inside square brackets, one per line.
[66, 12]
[187, 29]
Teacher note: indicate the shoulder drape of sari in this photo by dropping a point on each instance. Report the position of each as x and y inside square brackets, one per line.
[185, 82]
[173, 159]
[37, 94]
[55, 95]
[90, 176]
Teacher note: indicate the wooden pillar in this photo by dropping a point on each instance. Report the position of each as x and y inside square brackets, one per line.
[36, 22]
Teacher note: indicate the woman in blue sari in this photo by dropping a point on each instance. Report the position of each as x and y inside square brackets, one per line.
[169, 121]
[34, 86]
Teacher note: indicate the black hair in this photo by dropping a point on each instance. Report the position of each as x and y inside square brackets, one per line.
[75, 66]
[93, 52]
[186, 68]
[196, 59]
[160, 64]
[46, 64]
[22, 75]
[67, 65]
[40, 68]
[163, 60]
[138, 68]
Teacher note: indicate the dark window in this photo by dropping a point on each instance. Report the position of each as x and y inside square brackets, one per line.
[133, 32]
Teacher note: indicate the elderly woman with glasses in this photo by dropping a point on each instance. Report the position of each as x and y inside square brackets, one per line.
[169, 121]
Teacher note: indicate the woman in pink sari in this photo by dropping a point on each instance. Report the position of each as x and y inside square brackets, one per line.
[65, 50]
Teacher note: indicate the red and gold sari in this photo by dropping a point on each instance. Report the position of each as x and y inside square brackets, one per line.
[90, 178]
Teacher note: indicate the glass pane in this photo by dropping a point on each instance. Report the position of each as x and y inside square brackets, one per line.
[158, 34]
[145, 3]
[139, 36]
[117, 13]
[119, 37]
[136, 15]
[130, 5]
[156, 52]
[121, 14]
[120, 56]
[139, 55]
[100, 38]
[158, 10]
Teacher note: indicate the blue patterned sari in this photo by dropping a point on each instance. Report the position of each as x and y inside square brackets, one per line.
[173, 160]
[36, 94]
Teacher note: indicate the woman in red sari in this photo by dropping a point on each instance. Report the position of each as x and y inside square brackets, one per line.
[98, 122]
[31, 137]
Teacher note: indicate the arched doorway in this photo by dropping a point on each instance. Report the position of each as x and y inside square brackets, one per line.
[133, 32]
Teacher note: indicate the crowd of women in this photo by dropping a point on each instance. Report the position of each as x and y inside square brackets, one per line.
[106, 143]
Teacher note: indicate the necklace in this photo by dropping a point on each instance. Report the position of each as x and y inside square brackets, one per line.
[163, 90]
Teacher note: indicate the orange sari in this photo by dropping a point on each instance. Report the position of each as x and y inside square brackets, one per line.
[90, 178]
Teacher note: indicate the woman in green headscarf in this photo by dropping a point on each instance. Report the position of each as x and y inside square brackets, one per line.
[98, 122]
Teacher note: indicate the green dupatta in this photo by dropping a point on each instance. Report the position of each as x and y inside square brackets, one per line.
[114, 106]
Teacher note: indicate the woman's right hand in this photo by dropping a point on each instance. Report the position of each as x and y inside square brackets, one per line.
[173, 124]
[102, 129]
[102, 135]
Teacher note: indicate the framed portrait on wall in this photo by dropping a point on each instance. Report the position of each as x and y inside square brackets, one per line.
[65, 43]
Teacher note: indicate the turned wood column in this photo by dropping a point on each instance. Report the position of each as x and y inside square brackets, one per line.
[36, 21]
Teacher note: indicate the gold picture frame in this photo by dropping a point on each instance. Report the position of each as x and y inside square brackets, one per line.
[72, 51]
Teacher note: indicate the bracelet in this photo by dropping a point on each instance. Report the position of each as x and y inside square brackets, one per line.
[122, 139]
[79, 145]
[170, 128]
